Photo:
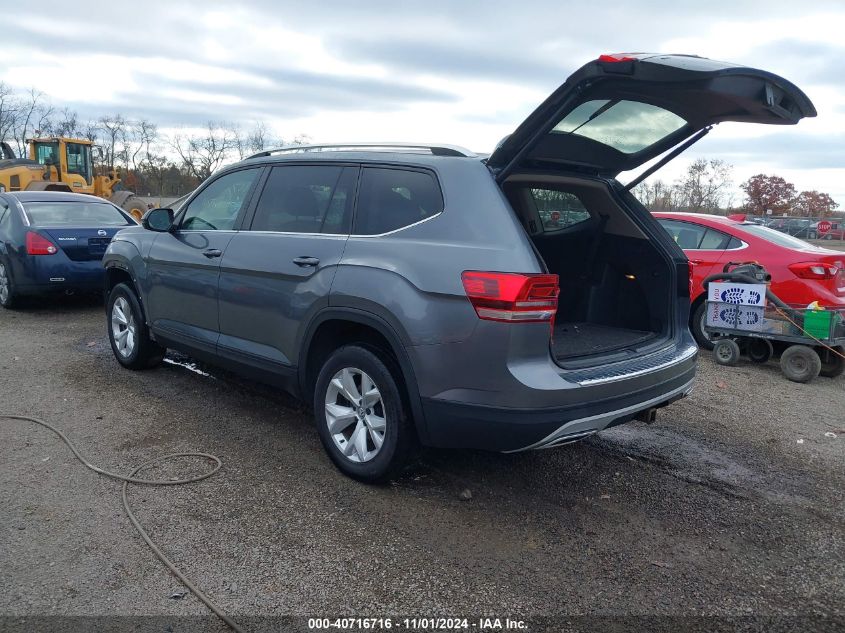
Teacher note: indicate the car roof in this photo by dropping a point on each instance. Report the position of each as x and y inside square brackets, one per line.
[423, 154]
[707, 217]
[54, 196]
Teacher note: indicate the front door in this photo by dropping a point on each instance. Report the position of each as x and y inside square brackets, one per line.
[278, 271]
[184, 265]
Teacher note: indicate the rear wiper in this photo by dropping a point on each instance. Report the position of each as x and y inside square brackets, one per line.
[679, 149]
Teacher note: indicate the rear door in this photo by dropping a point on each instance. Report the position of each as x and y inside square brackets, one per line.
[184, 265]
[707, 248]
[620, 111]
[278, 271]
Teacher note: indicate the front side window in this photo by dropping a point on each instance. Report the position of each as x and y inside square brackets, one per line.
[216, 207]
[627, 126]
[76, 214]
[79, 160]
[391, 199]
[306, 199]
[558, 209]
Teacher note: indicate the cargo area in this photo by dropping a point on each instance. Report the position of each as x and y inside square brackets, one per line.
[616, 291]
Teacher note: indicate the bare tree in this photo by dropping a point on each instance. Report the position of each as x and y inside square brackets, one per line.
[9, 112]
[33, 116]
[113, 128]
[202, 155]
[705, 182]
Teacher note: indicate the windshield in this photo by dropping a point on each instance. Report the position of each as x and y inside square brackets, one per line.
[776, 237]
[76, 214]
[627, 126]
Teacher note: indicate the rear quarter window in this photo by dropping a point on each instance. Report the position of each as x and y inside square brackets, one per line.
[558, 209]
[392, 199]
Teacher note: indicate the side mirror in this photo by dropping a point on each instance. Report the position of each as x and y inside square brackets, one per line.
[160, 220]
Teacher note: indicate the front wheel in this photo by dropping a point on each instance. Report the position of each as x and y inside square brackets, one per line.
[726, 352]
[361, 417]
[135, 207]
[128, 334]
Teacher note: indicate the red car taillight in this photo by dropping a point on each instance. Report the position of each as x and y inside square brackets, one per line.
[814, 270]
[831, 274]
[512, 297]
[39, 245]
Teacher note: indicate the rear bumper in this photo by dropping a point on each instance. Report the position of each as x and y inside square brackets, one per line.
[57, 273]
[452, 424]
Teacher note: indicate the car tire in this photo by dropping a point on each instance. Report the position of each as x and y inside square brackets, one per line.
[699, 318]
[833, 361]
[128, 333]
[369, 436]
[800, 363]
[8, 297]
[812, 235]
[726, 352]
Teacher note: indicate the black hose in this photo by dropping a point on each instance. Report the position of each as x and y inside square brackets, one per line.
[131, 478]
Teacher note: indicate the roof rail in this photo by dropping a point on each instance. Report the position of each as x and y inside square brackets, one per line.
[436, 150]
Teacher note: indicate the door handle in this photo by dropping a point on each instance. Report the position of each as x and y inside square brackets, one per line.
[306, 261]
[212, 252]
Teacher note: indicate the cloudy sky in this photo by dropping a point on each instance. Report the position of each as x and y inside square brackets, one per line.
[464, 73]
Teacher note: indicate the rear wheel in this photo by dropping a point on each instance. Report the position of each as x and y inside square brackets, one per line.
[8, 297]
[760, 350]
[726, 352]
[128, 334]
[697, 324]
[833, 361]
[135, 207]
[361, 417]
[800, 363]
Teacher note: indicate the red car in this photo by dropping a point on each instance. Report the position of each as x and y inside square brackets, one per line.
[801, 272]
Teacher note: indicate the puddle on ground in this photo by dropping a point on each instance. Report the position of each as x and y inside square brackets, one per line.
[684, 455]
[187, 363]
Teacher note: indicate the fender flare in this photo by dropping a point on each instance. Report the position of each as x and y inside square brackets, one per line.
[393, 338]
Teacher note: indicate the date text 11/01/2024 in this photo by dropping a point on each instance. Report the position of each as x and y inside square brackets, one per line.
[418, 624]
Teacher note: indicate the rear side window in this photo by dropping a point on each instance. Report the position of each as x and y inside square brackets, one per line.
[391, 199]
[558, 209]
[696, 237]
[687, 236]
[306, 199]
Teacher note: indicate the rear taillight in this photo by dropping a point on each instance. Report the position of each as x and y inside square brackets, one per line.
[39, 245]
[512, 297]
[814, 270]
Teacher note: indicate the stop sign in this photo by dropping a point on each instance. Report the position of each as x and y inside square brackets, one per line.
[556, 217]
[824, 226]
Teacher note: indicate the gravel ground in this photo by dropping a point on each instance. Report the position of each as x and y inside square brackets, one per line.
[730, 505]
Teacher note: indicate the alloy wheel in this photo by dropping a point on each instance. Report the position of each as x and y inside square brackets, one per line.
[355, 415]
[4, 284]
[123, 327]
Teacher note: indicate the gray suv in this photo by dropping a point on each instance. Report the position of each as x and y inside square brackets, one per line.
[426, 295]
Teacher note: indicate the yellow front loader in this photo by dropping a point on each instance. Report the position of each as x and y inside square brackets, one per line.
[63, 164]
